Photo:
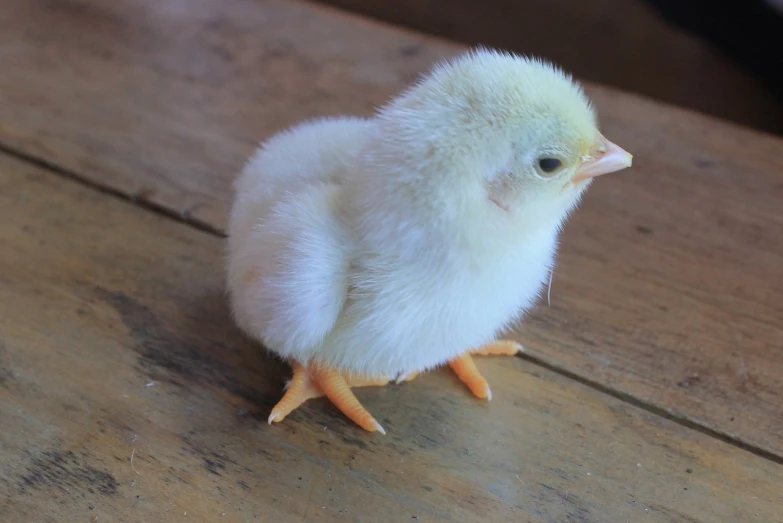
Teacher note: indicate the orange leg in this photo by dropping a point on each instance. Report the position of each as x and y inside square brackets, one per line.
[467, 372]
[315, 382]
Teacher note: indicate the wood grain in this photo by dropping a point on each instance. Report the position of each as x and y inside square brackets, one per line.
[165, 100]
[627, 45]
[126, 394]
[670, 276]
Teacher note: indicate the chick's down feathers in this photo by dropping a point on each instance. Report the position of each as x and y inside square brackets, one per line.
[387, 246]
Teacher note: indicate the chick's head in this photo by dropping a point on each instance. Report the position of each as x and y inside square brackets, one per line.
[513, 136]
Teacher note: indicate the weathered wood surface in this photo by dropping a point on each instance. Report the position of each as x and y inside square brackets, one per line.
[164, 100]
[126, 394]
[670, 276]
[626, 44]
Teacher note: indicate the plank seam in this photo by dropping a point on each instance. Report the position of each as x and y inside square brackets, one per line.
[675, 417]
[155, 208]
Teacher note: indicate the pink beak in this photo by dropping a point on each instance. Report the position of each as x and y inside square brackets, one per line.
[606, 158]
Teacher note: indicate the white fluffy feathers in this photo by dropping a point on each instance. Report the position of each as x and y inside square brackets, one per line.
[390, 245]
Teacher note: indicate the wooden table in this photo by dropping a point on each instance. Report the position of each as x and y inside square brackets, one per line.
[628, 44]
[652, 388]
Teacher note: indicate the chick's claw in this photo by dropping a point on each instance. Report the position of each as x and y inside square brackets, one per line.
[316, 382]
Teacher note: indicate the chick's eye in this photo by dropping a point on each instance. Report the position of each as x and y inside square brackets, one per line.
[549, 165]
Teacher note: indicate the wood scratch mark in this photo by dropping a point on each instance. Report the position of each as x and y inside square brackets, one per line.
[309, 499]
[100, 310]
[743, 369]
[133, 453]
[381, 488]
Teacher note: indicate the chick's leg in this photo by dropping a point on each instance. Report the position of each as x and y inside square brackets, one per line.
[468, 373]
[314, 382]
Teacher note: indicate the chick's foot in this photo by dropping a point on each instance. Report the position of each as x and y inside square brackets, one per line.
[466, 370]
[314, 382]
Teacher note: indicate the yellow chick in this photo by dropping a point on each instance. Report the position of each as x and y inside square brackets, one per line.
[364, 251]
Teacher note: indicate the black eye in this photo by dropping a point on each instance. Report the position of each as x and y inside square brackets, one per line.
[549, 165]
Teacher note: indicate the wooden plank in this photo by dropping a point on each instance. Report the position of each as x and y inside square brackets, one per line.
[165, 100]
[669, 281]
[126, 394]
[611, 36]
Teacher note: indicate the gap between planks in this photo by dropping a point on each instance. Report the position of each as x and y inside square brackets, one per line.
[186, 220]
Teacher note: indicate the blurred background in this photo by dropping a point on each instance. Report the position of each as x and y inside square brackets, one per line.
[720, 57]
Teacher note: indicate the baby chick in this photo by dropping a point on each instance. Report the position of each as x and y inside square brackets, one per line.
[369, 250]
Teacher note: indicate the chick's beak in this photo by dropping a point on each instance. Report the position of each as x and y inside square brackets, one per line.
[606, 157]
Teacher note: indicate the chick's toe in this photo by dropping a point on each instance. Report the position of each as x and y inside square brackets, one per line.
[499, 348]
[339, 392]
[313, 382]
[468, 373]
[300, 389]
